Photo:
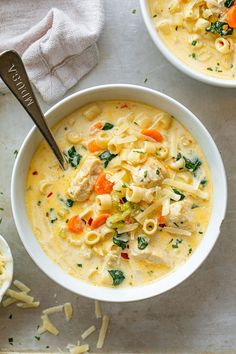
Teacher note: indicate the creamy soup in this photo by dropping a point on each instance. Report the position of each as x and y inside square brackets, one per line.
[200, 33]
[134, 202]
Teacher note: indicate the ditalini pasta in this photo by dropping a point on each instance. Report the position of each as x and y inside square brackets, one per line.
[133, 204]
[201, 33]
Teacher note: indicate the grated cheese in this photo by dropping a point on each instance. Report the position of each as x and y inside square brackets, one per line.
[68, 311]
[98, 312]
[102, 332]
[88, 332]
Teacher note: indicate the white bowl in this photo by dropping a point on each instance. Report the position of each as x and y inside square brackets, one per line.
[179, 64]
[5, 251]
[150, 97]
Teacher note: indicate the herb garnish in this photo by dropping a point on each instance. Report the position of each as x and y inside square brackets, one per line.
[228, 3]
[106, 157]
[80, 265]
[177, 242]
[194, 43]
[15, 153]
[204, 182]
[194, 206]
[220, 27]
[73, 157]
[10, 341]
[142, 242]
[117, 276]
[107, 126]
[52, 215]
[192, 165]
[176, 191]
[117, 240]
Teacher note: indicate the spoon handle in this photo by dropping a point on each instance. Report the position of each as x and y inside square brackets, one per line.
[13, 73]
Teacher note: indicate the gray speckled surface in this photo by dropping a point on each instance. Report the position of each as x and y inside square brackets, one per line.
[199, 315]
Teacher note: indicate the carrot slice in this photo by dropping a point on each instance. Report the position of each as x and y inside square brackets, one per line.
[231, 16]
[98, 125]
[102, 185]
[99, 221]
[160, 219]
[75, 224]
[153, 133]
[92, 146]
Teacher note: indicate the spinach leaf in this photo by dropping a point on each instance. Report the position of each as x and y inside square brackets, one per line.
[182, 196]
[69, 202]
[73, 157]
[177, 242]
[121, 242]
[142, 242]
[107, 126]
[117, 276]
[228, 3]
[106, 157]
[220, 27]
[192, 165]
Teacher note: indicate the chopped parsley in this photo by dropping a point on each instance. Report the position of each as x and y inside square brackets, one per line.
[228, 3]
[36, 337]
[194, 43]
[106, 157]
[177, 243]
[194, 206]
[176, 191]
[0, 220]
[52, 215]
[10, 340]
[190, 251]
[154, 16]
[67, 202]
[107, 126]
[73, 157]
[209, 69]
[79, 265]
[145, 174]
[142, 242]
[134, 11]
[146, 79]
[117, 276]
[220, 27]
[194, 56]
[15, 153]
[204, 182]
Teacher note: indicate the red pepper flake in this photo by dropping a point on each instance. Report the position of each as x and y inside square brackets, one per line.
[49, 195]
[35, 173]
[124, 255]
[84, 221]
[121, 201]
[90, 221]
[124, 105]
[162, 225]
[127, 246]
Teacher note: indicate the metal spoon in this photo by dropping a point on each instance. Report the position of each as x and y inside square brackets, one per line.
[13, 73]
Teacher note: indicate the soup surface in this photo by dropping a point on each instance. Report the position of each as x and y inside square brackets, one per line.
[134, 202]
[200, 33]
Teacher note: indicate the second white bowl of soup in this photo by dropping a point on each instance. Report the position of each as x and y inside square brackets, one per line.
[198, 37]
[137, 210]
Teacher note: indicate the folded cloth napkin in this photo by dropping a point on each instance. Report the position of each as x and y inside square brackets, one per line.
[55, 38]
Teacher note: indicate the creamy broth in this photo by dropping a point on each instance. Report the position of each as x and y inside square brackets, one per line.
[197, 33]
[134, 202]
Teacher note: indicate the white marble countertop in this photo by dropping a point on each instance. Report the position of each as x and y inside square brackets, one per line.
[199, 315]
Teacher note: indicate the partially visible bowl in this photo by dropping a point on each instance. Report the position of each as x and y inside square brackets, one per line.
[6, 252]
[179, 64]
[150, 97]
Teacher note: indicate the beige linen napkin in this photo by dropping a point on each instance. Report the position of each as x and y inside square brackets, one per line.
[56, 39]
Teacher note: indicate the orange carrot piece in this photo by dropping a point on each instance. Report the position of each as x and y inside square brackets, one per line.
[98, 125]
[92, 146]
[75, 224]
[99, 221]
[231, 16]
[153, 133]
[102, 185]
[160, 219]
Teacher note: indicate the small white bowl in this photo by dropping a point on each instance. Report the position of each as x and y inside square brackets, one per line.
[6, 252]
[173, 59]
[150, 97]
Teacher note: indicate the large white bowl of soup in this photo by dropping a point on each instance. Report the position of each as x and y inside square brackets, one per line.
[140, 205]
[198, 37]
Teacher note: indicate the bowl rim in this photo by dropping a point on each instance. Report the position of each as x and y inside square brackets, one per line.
[173, 59]
[9, 266]
[119, 294]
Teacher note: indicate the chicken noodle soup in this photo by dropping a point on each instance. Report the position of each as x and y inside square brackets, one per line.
[134, 202]
[200, 33]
